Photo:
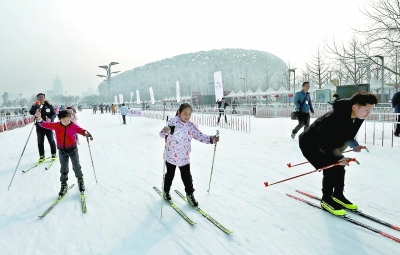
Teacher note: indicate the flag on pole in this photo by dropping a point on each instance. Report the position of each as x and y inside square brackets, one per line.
[152, 95]
[137, 97]
[178, 94]
[219, 90]
[131, 97]
[121, 98]
[115, 100]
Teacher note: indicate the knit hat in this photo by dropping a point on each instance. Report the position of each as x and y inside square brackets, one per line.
[63, 114]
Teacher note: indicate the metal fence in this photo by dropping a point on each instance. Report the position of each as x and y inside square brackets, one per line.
[208, 117]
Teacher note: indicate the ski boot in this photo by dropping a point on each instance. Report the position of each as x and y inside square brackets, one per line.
[81, 185]
[167, 196]
[53, 157]
[41, 159]
[328, 204]
[342, 200]
[63, 190]
[192, 200]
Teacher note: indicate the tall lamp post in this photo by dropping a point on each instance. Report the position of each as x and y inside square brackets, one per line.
[294, 79]
[108, 77]
[244, 85]
[382, 74]
[210, 83]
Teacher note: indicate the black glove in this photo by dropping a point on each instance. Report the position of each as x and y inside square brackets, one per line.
[172, 129]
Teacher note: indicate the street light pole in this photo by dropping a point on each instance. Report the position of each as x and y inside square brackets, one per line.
[294, 79]
[244, 85]
[108, 69]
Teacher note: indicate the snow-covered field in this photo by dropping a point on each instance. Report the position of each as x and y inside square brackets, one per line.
[123, 210]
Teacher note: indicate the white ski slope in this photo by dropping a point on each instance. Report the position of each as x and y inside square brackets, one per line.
[123, 210]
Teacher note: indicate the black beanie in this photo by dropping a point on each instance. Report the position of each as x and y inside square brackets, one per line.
[62, 114]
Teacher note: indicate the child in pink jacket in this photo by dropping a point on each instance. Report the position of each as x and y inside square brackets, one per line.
[180, 132]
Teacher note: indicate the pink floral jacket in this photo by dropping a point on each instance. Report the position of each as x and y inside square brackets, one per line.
[179, 143]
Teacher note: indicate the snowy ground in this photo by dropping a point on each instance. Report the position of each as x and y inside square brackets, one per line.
[123, 214]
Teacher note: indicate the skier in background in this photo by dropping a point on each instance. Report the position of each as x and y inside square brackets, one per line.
[46, 112]
[123, 111]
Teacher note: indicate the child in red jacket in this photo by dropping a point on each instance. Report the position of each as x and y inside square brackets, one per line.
[66, 131]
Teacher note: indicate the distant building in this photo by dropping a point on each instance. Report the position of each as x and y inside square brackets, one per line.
[57, 88]
[5, 97]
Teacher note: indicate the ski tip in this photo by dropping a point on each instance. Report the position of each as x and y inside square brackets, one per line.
[289, 165]
[266, 184]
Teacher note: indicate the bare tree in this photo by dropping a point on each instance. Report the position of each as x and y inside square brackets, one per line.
[384, 25]
[350, 58]
[317, 68]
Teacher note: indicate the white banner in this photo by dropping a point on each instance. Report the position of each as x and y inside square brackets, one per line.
[121, 98]
[219, 90]
[131, 97]
[115, 100]
[152, 95]
[137, 97]
[178, 94]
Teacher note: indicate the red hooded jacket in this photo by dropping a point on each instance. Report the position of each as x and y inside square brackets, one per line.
[65, 135]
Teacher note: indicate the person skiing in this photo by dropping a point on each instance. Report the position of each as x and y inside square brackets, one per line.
[325, 140]
[221, 109]
[66, 143]
[180, 131]
[123, 111]
[302, 100]
[46, 111]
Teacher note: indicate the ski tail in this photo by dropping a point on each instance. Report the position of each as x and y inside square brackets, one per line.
[205, 215]
[349, 219]
[176, 208]
[358, 212]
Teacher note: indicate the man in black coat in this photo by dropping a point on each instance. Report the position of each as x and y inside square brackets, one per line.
[48, 114]
[221, 109]
[396, 106]
[325, 140]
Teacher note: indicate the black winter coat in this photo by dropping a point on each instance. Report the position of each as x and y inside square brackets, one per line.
[333, 132]
[47, 111]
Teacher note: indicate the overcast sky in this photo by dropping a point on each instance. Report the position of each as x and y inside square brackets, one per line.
[70, 39]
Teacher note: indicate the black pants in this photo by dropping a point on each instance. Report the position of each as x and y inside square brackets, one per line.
[222, 113]
[333, 178]
[185, 175]
[41, 133]
[64, 156]
[397, 130]
[304, 121]
[123, 118]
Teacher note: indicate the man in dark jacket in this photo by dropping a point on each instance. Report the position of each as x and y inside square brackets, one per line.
[48, 114]
[303, 104]
[325, 140]
[396, 106]
[221, 109]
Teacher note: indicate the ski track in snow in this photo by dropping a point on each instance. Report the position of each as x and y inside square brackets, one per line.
[123, 210]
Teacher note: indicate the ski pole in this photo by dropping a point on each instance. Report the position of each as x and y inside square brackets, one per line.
[165, 165]
[21, 156]
[290, 165]
[41, 106]
[316, 170]
[212, 165]
[90, 152]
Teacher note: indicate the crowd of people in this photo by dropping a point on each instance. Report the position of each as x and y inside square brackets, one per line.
[322, 142]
